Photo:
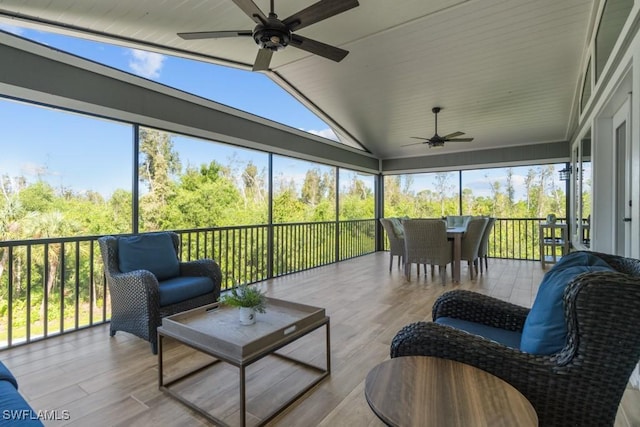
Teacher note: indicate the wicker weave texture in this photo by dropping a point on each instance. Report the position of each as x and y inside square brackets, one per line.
[582, 384]
[396, 242]
[472, 239]
[135, 297]
[483, 251]
[426, 242]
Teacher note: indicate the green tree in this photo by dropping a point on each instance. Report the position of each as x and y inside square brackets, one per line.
[203, 197]
[443, 189]
[311, 193]
[159, 163]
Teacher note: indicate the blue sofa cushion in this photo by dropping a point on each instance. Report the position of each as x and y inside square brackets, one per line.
[153, 252]
[14, 410]
[545, 329]
[183, 288]
[502, 336]
[6, 375]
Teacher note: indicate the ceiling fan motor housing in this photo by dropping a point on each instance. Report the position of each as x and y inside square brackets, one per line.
[272, 34]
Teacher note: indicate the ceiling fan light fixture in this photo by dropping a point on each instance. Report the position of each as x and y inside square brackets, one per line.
[271, 37]
[272, 34]
[437, 140]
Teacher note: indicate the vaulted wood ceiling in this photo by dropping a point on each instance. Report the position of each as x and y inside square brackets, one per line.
[505, 72]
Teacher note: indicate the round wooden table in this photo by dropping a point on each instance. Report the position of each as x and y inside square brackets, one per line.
[429, 391]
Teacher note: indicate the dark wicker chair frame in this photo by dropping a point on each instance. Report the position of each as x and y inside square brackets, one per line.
[135, 298]
[582, 385]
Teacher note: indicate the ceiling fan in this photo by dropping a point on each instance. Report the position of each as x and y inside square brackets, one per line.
[437, 140]
[273, 34]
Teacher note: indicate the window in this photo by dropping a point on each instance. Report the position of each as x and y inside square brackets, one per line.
[614, 15]
[586, 88]
[192, 183]
[303, 191]
[356, 195]
[63, 174]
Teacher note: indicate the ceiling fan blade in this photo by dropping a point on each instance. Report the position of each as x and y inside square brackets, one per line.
[263, 59]
[453, 135]
[419, 137]
[317, 12]
[415, 143]
[213, 34]
[460, 139]
[252, 11]
[318, 48]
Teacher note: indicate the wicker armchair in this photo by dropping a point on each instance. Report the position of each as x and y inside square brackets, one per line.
[426, 242]
[135, 295]
[396, 242]
[582, 384]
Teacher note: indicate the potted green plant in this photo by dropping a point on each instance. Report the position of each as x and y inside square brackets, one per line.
[248, 299]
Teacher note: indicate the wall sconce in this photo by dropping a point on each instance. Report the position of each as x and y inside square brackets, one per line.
[565, 174]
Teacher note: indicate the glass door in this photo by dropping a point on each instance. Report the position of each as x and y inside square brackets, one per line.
[622, 168]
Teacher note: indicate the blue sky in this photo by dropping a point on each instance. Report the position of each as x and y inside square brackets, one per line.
[97, 155]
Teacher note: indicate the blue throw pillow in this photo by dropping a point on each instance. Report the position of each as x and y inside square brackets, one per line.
[154, 252]
[545, 330]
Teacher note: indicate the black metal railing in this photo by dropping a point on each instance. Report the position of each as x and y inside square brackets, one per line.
[53, 286]
[48, 287]
[516, 238]
[513, 238]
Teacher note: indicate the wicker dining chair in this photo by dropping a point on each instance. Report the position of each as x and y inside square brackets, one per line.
[425, 242]
[396, 242]
[483, 252]
[471, 244]
[139, 299]
[581, 384]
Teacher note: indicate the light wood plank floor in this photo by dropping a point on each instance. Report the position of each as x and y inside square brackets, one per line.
[103, 381]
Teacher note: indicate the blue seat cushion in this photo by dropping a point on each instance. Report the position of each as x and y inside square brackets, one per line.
[153, 252]
[502, 336]
[6, 375]
[182, 288]
[545, 329]
[14, 410]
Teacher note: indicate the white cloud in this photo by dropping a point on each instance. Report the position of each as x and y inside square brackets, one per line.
[146, 64]
[325, 133]
[11, 29]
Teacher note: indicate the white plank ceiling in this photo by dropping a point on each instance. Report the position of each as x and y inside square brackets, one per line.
[506, 72]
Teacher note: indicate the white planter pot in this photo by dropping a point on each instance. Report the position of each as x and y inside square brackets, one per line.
[247, 316]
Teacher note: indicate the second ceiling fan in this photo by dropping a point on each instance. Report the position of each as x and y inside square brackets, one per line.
[273, 34]
[437, 140]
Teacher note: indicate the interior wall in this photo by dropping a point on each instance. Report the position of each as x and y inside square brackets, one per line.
[635, 153]
[621, 77]
[553, 152]
[603, 156]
